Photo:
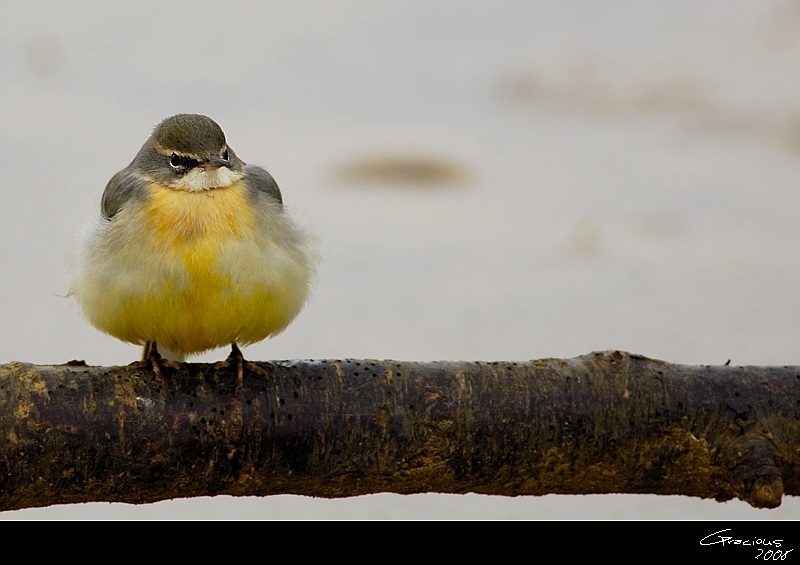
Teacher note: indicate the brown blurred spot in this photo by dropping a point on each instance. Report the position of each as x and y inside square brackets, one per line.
[674, 96]
[657, 226]
[585, 89]
[784, 25]
[406, 170]
[526, 89]
[588, 89]
[586, 239]
[43, 54]
[792, 134]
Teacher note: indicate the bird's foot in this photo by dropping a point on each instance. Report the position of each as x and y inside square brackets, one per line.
[152, 359]
[241, 363]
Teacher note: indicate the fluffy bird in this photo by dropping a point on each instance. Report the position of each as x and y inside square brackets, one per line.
[193, 250]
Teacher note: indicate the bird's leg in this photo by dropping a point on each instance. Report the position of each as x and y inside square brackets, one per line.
[152, 358]
[241, 364]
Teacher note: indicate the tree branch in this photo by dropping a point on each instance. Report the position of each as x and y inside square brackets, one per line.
[607, 422]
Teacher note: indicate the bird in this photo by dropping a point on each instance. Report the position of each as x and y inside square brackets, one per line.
[193, 250]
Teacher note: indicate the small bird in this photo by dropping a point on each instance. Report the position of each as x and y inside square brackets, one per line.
[193, 250]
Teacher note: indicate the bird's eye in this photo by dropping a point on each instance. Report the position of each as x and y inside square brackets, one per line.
[225, 155]
[182, 163]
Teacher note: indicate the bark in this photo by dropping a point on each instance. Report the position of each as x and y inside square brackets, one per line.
[607, 422]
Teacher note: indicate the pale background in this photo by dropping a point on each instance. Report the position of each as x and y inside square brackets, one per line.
[614, 175]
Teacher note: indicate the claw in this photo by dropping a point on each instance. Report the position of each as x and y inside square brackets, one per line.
[241, 364]
[152, 358]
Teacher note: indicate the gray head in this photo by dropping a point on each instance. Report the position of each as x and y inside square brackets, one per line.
[189, 152]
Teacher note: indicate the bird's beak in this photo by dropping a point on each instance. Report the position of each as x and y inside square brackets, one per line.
[214, 162]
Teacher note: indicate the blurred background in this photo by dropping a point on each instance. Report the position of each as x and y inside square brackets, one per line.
[490, 180]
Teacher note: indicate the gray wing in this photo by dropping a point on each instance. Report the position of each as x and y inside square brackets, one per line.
[261, 182]
[120, 189]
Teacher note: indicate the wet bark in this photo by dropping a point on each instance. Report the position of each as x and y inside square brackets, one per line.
[607, 422]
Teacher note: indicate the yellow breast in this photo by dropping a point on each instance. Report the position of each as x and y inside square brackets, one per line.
[184, 219]
[193, 229]
[196, 270]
